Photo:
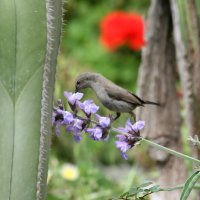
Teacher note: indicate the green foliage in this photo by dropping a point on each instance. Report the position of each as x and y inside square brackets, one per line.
[95, 181]
[23, 50]
[189, 185]
[90, 184]
[81, 41]
[140, 192]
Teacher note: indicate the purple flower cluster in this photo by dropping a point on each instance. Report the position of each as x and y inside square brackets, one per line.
[100, 130]
[130, 136]
[77, 125]
[101, 126]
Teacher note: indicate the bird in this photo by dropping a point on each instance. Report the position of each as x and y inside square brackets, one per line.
[112, 96]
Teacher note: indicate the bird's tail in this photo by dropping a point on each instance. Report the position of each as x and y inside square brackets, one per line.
[152, 103]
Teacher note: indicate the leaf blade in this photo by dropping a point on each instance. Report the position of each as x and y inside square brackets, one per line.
[189, 184]
[22, 52]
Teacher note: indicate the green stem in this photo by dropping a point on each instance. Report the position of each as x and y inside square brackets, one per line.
[160, 147]
[170, 151]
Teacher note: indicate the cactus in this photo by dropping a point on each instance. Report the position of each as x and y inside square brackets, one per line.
[29, 43]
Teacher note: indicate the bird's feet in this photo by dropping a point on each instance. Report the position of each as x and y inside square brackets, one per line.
[113, 118]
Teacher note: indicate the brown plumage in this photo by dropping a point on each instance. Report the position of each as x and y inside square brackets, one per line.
[112, 96]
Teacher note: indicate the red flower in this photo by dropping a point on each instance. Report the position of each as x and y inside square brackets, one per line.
[120, 28]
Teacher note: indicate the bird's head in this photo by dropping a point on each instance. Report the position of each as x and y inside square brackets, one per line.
[85, 80]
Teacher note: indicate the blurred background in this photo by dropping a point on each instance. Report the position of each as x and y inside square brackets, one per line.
[91, 169]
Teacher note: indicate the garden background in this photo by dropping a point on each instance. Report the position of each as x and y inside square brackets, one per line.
[103, 172]
[48, 147]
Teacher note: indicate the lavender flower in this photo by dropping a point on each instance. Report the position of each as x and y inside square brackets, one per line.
[58, 124]
[88, 107]
[67, 116]
[104, 122]
[73, 98]
[95, 132]
[132, 128]
[61, 117]
[58, 119]
[100, 131]
[123, 145]
[130, 137]
[104, 125]
[76, 128]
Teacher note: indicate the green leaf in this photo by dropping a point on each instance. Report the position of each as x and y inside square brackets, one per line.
[23, 50]
[145, 184]
[124, 194]
[155, 188]
[189, 184]
[133, 190]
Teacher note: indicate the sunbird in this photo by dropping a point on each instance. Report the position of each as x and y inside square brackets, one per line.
[112, 96]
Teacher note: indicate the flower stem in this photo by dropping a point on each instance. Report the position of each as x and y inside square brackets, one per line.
[170, 151]
[153, 144]
[178, 187]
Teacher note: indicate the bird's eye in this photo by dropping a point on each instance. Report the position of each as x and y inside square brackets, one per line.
[78, 82]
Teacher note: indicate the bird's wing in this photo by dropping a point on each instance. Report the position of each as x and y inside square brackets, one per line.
[121, 94]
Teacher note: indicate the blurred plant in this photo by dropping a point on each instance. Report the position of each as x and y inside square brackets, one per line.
[189, 185]
[194, 141]
[141, 191]
[49, 176]
[121, 28]
[84, 181]
[149, 187]
[69, 172]
[81, 51]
